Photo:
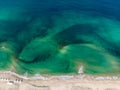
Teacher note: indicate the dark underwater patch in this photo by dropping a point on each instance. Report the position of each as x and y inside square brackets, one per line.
[58, 37]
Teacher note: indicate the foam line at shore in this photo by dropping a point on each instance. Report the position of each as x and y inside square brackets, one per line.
[61, 77]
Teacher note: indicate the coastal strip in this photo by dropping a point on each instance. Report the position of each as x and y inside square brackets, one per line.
[12, 81]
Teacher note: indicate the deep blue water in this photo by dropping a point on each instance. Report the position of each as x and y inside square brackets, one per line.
[103, 7]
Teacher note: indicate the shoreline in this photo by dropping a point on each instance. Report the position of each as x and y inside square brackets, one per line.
[12, 81]
[62, 77]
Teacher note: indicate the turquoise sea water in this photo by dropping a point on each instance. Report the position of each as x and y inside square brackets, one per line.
[60, 36]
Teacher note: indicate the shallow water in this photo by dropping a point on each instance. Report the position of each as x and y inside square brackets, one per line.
[60, 36]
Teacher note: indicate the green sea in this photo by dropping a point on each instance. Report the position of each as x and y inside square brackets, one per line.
[57, 37]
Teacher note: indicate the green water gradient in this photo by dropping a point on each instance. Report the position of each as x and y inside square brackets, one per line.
[59, 44]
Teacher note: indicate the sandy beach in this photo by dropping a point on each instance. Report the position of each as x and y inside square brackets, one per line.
[12, 81]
